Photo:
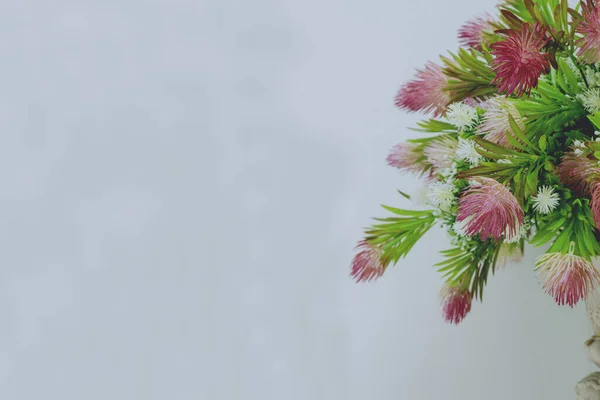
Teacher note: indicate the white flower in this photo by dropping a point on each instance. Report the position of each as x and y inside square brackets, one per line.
[461, 115]
[459, 226]
[466, 150]
[546, 201]
[441, 195]
[579, 146]
[591, 100]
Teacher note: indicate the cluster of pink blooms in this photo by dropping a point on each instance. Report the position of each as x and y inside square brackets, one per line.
[486, 208]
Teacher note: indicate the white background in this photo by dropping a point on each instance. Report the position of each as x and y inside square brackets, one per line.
[183, 185]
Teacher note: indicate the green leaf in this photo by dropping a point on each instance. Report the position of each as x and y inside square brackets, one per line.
[543, 143]
[595, 119]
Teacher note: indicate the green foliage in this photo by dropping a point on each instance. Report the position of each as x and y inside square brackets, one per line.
[553, 14]
[552, 106]
[573, 223]
[470, 265]
[520, 169]
[469, 74]
[397, 235]
[435, 126]
[595, 119]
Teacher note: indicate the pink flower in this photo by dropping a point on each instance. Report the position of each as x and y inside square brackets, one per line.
[456, 303]
[519, 60]
[405, 156]
[367, 265]
[566, 277]
[577, 171]
[471, 33]
[595, 203]
[496, 121]
[487, 208]
[439, 152]
[425, 92]
[589, 29]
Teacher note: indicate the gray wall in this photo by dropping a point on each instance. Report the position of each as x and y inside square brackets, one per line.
[183, 184]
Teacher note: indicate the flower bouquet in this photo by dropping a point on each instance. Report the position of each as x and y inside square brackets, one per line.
[510, 152]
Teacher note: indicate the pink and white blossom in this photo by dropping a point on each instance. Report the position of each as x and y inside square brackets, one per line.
[489, 209]
[471, 34]
[426, 92]
[439, 152]
[595, 203]
[367, 265]
[566, 277]
[407, 157]
[578, 170]
[496, 122]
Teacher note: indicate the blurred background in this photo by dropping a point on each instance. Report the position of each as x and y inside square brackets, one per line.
[183, 185]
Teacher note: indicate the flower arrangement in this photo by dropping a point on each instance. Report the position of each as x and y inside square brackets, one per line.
[511, 154]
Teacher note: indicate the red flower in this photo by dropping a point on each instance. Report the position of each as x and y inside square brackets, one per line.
[589, 29]
[367, 265]
[426, 92]
[456, 303]
[487, 208]
[519, 60]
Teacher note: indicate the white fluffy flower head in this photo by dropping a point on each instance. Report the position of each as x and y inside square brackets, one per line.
[441, 195]
[461, 115]
[467, 151]
[546, 200]
[591, 100]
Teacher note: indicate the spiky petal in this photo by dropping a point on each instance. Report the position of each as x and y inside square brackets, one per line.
[546, 200]
[589, 29]
[407, 157]
[519, 60]
[467, 151]
[577, 171]
[456, 303]
[439, 152]
[425, 92]
[441, 195]
[462, 115]
[471, 33]
[566, 277]
[590, 99]
[496, 123]
[367, 265]
[489, 209]
[595, 203]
